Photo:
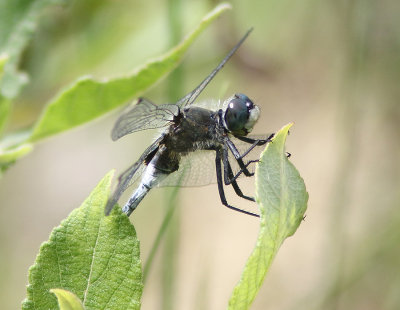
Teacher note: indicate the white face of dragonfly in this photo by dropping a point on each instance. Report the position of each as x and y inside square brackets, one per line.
[240, 115]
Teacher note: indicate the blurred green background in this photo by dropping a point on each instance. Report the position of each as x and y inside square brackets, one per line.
[331, 67]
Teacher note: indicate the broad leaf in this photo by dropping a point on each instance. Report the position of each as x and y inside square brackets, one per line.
[282, 197]
[67, 300]
[93, 256]
[89, 98]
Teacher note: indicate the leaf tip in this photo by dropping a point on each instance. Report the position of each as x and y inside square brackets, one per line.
[282, 133]
[217, 11]
[107, 180]
[109, 175]
[223, 6]
[67, 300]
[285, 129]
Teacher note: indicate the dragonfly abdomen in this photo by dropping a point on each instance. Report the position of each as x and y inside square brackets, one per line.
[160, 166]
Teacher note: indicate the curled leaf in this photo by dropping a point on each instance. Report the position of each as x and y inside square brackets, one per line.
[89, 98]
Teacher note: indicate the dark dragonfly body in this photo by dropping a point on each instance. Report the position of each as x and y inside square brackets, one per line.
[188, 130]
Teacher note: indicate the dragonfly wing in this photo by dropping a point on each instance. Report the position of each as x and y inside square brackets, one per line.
[195, 169]
[130, 175]
[192, 96]
[144, 115]
[198, 168]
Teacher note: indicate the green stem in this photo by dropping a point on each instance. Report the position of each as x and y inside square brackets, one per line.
[174, 91]
[161, 233]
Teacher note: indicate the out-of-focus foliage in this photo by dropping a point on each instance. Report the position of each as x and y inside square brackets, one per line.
[331, 67]
[18, 20]
[87, 98]
[4, 102]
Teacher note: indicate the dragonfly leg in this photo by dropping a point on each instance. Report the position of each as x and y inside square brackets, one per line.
[238, 174]
[253, 142]
[238, 157]
[221, 186]
[229, 179]
[258, 141]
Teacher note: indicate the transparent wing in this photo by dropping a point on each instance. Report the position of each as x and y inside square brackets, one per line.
[198, 168]
[147, 115]
[144, 115]
[195, 169]
[191, 97]
[129, 176]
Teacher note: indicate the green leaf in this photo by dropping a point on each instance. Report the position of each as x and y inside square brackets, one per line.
[3, 60]
[9, 156]
[91, 255]
[89, 98]
[12, 148]
[5, 104]
[282, 197]
[18, 21]
[67, 300]
[5, 109]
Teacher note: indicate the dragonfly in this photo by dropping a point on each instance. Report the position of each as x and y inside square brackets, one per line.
[192, 138]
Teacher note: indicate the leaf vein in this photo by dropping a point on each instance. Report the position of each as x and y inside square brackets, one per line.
[93, 258]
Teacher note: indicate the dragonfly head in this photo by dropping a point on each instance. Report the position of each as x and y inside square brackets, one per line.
[240, 115]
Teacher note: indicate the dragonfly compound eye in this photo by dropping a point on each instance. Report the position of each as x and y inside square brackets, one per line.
[240, 115]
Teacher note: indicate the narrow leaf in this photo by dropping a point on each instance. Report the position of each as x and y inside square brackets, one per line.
[67, 300]
[282, 197]
[89, 98]
[93, 256]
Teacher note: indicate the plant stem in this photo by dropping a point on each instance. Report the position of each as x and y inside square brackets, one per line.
[174, 91]
[161, 233]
